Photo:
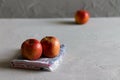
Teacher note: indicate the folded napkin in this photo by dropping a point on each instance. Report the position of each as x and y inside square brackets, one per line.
[49, 64]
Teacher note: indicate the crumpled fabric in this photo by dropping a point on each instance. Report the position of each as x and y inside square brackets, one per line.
[48, 64]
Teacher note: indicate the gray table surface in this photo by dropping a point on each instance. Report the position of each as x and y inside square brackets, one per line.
[93, 49]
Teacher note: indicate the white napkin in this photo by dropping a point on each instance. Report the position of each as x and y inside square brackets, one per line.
[49, 64]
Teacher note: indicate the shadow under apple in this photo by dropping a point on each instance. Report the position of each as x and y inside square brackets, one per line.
[67, 22]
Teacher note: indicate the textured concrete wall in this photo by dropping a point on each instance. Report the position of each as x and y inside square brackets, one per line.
[57, 8]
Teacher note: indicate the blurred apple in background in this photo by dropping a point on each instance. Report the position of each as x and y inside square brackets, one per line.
[31, 49]
[81, 16]
[51, 46]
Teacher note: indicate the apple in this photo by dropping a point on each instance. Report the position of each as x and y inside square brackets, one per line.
[31, 49]
[81, 16]
[51, 46]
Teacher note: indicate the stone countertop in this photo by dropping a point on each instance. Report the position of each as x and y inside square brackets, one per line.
[93, 49]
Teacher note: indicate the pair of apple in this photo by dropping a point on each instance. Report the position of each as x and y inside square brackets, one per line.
[33, 49]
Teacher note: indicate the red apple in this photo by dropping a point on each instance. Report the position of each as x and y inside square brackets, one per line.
[81, 16]
[31, 49]
[51, 46]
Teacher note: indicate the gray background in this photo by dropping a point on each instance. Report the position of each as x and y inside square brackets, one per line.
[57, 8]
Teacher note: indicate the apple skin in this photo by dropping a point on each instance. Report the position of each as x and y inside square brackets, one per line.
[81, 16]
[51, 46]
[31, 49]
